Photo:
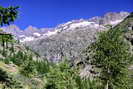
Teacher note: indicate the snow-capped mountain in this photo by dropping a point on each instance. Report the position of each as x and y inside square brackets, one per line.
[28, 34]
[33, 33]
[69, 39]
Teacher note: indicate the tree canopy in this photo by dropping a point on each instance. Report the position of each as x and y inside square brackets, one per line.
[8, 15]
[111, 54]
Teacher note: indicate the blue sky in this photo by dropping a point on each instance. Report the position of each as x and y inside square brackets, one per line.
[49, 13]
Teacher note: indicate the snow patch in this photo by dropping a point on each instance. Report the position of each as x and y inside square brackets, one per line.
[37, 34]
[22, 36]
[115, 22]
[27, 39]
[81, 24]
[49, 33]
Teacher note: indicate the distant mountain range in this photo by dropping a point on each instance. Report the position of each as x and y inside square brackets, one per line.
[68, 39]
[32, 33]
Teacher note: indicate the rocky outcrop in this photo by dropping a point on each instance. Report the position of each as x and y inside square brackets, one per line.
[70, 39]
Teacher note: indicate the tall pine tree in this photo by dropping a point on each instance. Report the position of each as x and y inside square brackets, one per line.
[111, 55]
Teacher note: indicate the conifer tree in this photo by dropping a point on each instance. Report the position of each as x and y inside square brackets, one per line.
[8, 15]
[111, 55]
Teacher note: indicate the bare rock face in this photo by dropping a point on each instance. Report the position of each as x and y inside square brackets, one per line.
[66, 40]
[70, 39]
[110, 18]
[66, 44]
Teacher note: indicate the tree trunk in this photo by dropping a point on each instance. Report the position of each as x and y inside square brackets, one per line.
[107, 85]
[107, 82]
[13, 48]
[3, 44]
[7, 44]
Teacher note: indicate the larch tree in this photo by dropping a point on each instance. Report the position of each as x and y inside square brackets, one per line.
[111, 56]
[7, 16]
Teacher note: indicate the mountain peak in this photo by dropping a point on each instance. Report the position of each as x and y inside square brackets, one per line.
[97, 22]
[30, 27]
[74, 36]
[110, 17]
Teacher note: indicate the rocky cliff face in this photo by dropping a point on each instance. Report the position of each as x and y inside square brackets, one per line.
[70, 39]
[110, 18]
[65, 40]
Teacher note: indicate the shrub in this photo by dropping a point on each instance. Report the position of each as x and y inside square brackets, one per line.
[8, 81]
